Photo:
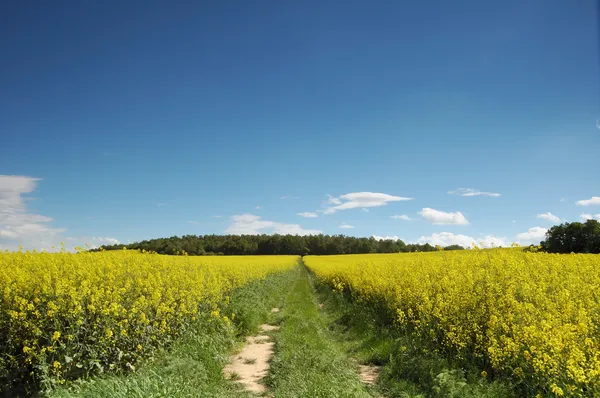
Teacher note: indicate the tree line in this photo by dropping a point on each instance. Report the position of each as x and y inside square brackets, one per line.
[200, 245]
[573, 237]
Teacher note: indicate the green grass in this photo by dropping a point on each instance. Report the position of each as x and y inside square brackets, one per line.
[193, 365]
[407, 369]
[307, 361]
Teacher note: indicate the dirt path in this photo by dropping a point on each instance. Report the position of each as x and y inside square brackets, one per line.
[251, 365]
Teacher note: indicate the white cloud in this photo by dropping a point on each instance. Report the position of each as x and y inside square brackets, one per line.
[346, 226]
[533, 236]
[401, 217]
[284, 197]
[562, 199]
[473, 192]
[250, 224]
[587, 216]
[360, 200]
[438, 217]
[492, 241]
[308, 214]
[549, 217]
[217, 216]
[377, 237]
[594, 200]
[20, 227]
[447, 238]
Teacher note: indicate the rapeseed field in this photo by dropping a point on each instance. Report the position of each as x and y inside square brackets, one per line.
[531, 318]
[63, 315]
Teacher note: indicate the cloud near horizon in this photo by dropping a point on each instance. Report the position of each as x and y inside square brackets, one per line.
[356, 200]
[533, 236]
[587, 216]
[250, 224]
[394, 238]
[447, 239]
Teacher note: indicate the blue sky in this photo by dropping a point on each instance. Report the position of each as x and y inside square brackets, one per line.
[132, 120]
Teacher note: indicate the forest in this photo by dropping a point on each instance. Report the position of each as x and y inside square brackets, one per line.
[573, 237]
[200, 245]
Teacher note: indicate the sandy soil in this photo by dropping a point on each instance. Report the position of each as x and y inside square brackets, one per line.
[369, 373]
[252, 364]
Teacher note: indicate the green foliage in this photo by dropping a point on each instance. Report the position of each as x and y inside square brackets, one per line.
[273, 244]
[573, 237]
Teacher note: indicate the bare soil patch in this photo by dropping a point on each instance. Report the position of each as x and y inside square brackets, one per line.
[369, 373]
[268, 328]
[251, 365]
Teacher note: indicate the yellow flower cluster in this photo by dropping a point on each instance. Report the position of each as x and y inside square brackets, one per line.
[69, 313]
[532, 317]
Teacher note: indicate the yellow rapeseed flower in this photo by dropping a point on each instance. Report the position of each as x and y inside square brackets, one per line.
[132, 300]
[530, 315]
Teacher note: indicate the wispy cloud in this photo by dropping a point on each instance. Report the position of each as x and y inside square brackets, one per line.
[549, 217]
[286, 197]
[333, 200]
[594, 200]
[438, 217]
[401, 217]
[308, 214]
[217, 216]
[250, 224]
[356, 200]
[193, 222]
[346, 226]
[473, 192]
[160, 204]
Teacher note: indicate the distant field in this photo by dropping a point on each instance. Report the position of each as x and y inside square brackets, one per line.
[530, 318]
